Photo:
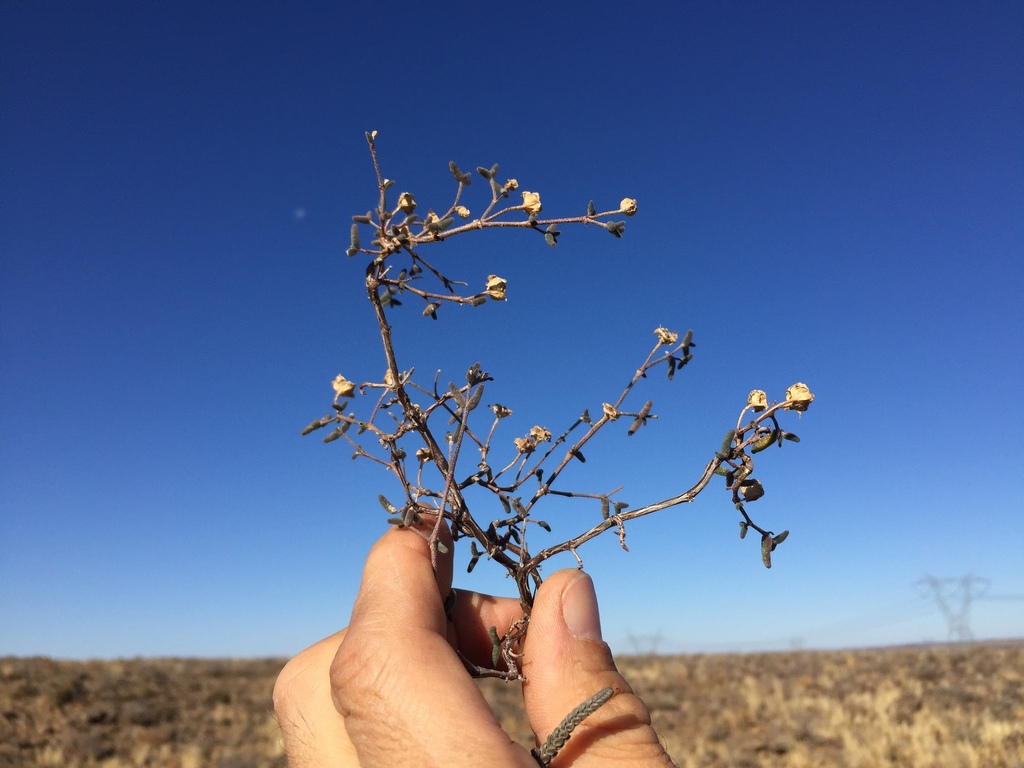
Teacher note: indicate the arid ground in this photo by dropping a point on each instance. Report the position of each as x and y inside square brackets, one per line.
[929, 707]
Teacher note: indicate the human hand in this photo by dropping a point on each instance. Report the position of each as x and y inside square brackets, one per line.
[392, 691]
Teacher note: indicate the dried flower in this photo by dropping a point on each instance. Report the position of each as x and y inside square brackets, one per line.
[500, 410]
[423, 454]
[463, 211]
[496, 287]
[665, 336]
[431, 218]
[531, 203]
[627, 206]
[389, 380]
[798, 397]
[342, 387]
[406, 204]
[540, 435]
[610, 411]
[511, 185]
[757, 400]
[525, 445]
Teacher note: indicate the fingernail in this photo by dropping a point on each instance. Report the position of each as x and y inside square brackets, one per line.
[579, 609]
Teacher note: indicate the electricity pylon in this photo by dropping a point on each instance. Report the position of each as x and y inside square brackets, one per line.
[954, 598]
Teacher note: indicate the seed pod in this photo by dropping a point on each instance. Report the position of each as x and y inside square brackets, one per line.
[726, 450]
[315, 425]
[353, 248]
[766, 440]
[496, 642]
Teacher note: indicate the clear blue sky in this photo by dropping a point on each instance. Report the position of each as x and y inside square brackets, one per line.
[829, 192]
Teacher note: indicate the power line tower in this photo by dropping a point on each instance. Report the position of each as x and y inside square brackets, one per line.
[954, 597]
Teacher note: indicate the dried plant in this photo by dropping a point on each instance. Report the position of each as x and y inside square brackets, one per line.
[426, 434]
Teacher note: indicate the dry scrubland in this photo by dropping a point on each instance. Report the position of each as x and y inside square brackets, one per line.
[929, 707]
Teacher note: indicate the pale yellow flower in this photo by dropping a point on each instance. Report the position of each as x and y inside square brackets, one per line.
[628, 206]
[463, 211]
[342, 387]
[798, 397]
[610, 411]
[757, 400]
[496, 287]
[406, 204]
[665, 336]
[531, 203]
[511, 185]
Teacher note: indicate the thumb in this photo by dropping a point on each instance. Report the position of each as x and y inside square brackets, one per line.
[565, 662]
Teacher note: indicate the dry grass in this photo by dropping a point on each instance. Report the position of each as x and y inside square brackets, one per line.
[937, 707]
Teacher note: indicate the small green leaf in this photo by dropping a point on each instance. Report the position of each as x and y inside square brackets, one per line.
[591, 210]
[441, 548]
[390, 508]
[791, 437]
[462, 178]
[743, 529]
[484, 172]
[338, 432]
[766, 550]
[776, 540]
[604, 509]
